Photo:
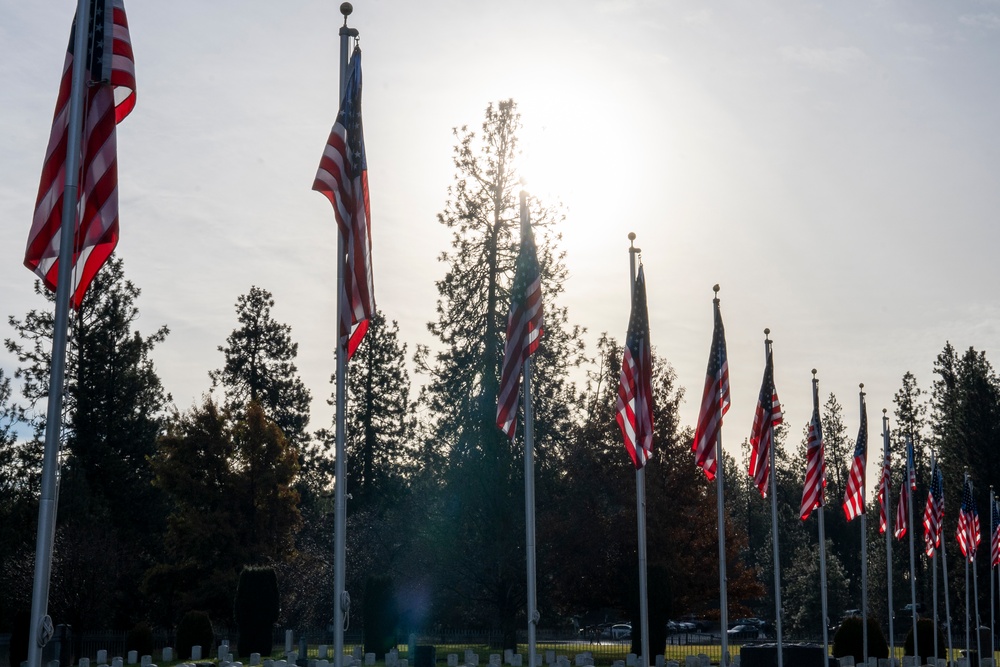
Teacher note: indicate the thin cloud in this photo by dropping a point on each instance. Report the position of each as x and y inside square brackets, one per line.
[988, 21]
[914, 29]
[839, 60]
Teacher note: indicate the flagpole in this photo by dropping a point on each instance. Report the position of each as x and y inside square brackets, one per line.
[41, 629]
[774, 516]
[822, 539]
[640, 502]
[721, 506]
[529, 477]
[933, 557]
[342, 600]
[992, 599]
[975, 598]
[968, 637]
[947, 597]
[888, 535]
[912, 475]
[864, 535]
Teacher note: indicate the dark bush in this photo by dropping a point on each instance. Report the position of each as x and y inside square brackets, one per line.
[140, 639]
[380, 615]
[19, 637]
[195, 629]
[849, 640]
[256, 609]
[925, 640]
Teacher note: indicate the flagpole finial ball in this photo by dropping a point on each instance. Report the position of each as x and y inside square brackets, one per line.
[346, 8]
[814, 372]
[716, 288]
[631, 236]
[861, 385]
[767, 332]
[884, 411]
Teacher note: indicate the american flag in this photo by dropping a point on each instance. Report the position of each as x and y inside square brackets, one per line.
[994, 532]
[524, 329]
[714, 400]
[854, 497]
[934, 512]
[110, 96]
[767, 416]
[902, 511]
[884, 486]
[968, 534]
[635, 388]
[343, 178]
[814, 489]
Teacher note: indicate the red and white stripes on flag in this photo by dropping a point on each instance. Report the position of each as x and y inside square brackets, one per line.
[343, 178]
[635, 386]
[714, 400]
[994, 532]
[968, 534]
[934, 512]
[902, 511]
[110, 96]
[765, 418]
[884, 487]
[854, 495]
[815, 486]
[524, 329]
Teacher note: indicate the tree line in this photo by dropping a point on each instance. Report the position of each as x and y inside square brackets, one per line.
[160, 509]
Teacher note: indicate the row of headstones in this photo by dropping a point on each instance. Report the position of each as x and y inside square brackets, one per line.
[910, 661]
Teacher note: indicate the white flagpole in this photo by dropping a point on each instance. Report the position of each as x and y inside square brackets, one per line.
[864, 536]
[774, 512]
[910, 473]
[975, 597]
[640, 506]
[933, 561]
[342, 600]
[947, 597]
[41, 625]
[529, 479]
[968, 636]
[822, 537]
[992, 598]
[721, 506]
[888, 535]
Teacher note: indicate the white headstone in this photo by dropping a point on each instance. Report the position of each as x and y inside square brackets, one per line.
[195, 653]
[404, 662]
[691, 661]
[146, 660]
[516, 660]
[538, 660]
[291, 657]
[987, 662]
[846, 661]
[117, 662]
[736, 661]
[168, 654]
[356, 653]
[631, 660]
[550, 657]
[267, 662]
[322, 651]
[704, 660]
[84, 662]
[289, 640]
[370, 658]
[53, 663]
[254, 659]
[281, 663]
[872, 661]
[659, 661]
[452, 660]
[494, 660]
[508, 655]
[102, 656]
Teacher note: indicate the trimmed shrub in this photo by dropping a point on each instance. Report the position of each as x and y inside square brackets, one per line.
[849, 640]
[925, 640]
[256, 609]
[195, 629]
[380, 615]
[140, 639]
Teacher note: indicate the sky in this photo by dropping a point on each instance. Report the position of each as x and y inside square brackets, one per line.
[834, 166]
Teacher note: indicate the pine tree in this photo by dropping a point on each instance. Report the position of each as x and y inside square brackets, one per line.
[260, 366]
[483, 480]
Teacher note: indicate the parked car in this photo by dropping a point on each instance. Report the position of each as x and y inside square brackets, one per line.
[743, 632]
[621, 631]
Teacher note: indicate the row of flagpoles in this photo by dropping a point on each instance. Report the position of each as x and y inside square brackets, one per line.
[67, 245]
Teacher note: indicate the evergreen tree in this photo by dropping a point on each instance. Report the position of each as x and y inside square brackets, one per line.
[114, 408]
[483, 479]
[260, 366]
[230, 482]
